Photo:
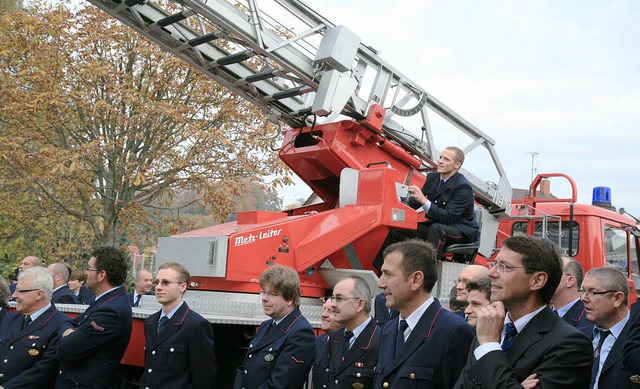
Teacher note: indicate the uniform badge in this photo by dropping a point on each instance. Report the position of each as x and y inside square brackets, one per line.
[635, 379]
[33, 352]
[357, 385]
[268, 357]
[359, 364]
[33, 337]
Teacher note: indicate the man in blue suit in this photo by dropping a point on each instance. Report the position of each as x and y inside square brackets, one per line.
[180, 351]
[91, 349]
[447, 200]
[320, 371]
[566, 300]
[605, 294]
[426, 345]
[29, 337]
[61, 292]
[142, 283]
[282, 352]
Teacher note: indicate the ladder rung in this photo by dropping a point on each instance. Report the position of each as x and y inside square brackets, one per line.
[298, 90]
[234, 58]
[205, 38]
[131, 3]
[270, 73]
[174, 18]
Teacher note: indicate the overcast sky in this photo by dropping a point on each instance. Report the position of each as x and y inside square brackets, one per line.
[559, 78]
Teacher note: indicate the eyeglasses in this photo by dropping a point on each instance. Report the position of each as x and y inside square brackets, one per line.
[339, 299]
[502, 268]
[269, 294]
[591, 293]
[92, 269]
[25, 290]
[166, 282]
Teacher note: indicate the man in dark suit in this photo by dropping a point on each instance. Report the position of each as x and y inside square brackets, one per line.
[425, 345]
[354, 348]
[27, 262]
[4, 298]
[566, 300]
[382, 314]
[530, 339]
[447, 200]
[478, 296]
[61, 292]
[605, 294]
[29, 337]
[631, 349]
[91, 349]
[180, 351]
[282, 352]
[320, 370]
[143, 281]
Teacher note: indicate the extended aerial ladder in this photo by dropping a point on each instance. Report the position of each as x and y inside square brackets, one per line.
[295, 65]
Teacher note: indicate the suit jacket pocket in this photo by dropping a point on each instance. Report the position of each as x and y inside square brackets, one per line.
[416, 373]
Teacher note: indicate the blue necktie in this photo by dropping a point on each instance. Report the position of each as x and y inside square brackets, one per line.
[596, 355]
[400, 336]
[137, 303]
[163, 321]
[347, 340]
[510, 333]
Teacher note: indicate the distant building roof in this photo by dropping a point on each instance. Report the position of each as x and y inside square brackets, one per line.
[518, 194]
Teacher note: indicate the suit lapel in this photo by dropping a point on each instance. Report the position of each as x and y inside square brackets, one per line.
[418, 335]
[615, 354]
[174, 324]
[37, 324]
[280, 330]
[532, 333]
[360, 346]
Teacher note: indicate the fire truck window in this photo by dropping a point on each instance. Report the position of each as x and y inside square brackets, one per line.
[616, 245]
[520, 228]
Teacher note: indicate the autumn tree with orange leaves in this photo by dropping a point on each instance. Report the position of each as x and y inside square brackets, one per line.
[98, 125]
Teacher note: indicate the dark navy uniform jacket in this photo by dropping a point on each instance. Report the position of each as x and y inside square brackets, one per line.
[28, 355]
[355, 368]
[90, 356]
[320, 373]
[64, 295]
[182, 355]
[577, 317]
[85, 295]
[279, 356]
[433, 355]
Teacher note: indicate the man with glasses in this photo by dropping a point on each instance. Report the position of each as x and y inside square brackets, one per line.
[566, 300]
[354, 348]
[425, 346]
[180, 351]
[605, 296]
[467, 274]
[91, 349]
[529, 339]
[29, 337]
[282, 352]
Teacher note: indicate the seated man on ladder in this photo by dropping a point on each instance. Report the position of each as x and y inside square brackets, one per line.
[447, 200]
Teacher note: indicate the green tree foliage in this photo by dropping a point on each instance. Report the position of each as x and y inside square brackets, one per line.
[99, 130]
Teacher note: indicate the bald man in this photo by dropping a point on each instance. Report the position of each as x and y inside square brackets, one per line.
[27, 262]
[469, 273]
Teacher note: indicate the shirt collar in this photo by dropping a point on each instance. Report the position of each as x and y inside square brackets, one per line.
[358, 330]
[562, 311]
[39, 312]
[617, 328]
[415, 316]
[170, 314]
[98, 297]
[524, 320]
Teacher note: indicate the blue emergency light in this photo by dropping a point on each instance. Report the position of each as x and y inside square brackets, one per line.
[602, 197]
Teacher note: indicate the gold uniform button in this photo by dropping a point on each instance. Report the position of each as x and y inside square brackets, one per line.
[412, 376]
[385, 385]
[635, 379]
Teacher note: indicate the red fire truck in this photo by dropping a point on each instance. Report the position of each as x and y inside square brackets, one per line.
[357, 133]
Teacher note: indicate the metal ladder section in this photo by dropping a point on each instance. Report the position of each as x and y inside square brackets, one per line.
[267, 54]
